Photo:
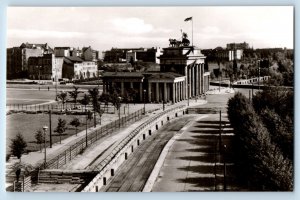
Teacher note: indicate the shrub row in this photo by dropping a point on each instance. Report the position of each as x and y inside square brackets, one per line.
[260, 160]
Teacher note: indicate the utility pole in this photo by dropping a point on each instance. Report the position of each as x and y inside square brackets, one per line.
[50, 130]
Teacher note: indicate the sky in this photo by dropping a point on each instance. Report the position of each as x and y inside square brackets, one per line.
[129, 27]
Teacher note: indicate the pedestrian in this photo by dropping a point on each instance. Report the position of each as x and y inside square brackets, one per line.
[48, 88]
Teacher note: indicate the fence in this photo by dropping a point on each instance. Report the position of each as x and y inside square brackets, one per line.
[55, 107]
[80, 145]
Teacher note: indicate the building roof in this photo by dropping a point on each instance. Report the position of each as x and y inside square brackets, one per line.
[163, 75]
[122, 74]
[33, 46]
[66, 48]
[72, 60]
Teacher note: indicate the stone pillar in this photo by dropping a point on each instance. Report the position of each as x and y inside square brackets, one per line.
[186, 82]
[197, 79]
[200, 78]
[122, 88]
[104, 87]
[173, 93]
[189, 83]
[149, 91]
[184, 89]
[193, 81]
[157, 92]
[141, 92]
[203, 90]
[165, 92]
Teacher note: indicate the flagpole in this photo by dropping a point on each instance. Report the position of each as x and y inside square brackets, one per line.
[192, 32]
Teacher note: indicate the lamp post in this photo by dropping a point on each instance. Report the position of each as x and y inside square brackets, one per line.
[188, 95]
[145, 102]
[224, 155]
[45, 157]
[86, 127]
[119, 106]
[258, 74]
[56, 84]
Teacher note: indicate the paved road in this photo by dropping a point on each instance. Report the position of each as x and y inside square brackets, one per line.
[133, 174]
[198, 159]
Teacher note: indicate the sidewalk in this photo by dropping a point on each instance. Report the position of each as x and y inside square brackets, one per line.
[193, 162]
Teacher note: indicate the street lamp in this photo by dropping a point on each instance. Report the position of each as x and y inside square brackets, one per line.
[145, 102]
[56, 84]
[119, 106]
[224, 154]
[258, 74]
[188, 94]
[45, 158]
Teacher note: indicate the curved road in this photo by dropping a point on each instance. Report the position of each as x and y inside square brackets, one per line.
[133, 173]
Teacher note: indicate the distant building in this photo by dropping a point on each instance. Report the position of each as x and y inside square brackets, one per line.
[17, 58]
[236, 50]
[117, 55]
[88, 54]
[40, 68]
[181, 76]
[77, 68]
[234, 46]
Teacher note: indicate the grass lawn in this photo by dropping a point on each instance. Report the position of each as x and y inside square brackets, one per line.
[28, 124]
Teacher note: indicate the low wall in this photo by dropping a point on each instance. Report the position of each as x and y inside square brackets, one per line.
[109, 165]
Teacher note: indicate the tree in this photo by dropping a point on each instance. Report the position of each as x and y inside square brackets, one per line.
[63, 96]
[75, 122]
[105, 98]
[39, 137]
[94, 93]
[100, 113]
[61, 128]
[74, 94]
[85, 101]
[18, 146]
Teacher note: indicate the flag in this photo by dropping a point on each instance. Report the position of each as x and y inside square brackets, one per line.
[188, 19]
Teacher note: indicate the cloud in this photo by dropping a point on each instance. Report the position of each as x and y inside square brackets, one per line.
[211, 30]
[17, 33]
[131, 25]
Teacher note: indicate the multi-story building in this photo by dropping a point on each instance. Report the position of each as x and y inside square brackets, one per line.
[88, 54]
[144, 55]
[40, 68]
[77, 68]
[17, 58]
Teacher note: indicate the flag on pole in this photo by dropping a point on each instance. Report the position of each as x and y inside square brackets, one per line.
[188, 19]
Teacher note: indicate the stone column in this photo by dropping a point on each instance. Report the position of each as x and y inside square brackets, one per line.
[104, 87]
[141, 92]
[173, 92]
[122, 88]
[200, 78]
[165, 92]
[190, 83]
[186, 82]
[197, 79]
[149, 91]
[203, 90]
[193, 81]
[157, 92]
[184, 89]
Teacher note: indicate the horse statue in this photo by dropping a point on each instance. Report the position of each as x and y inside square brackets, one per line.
[175, 43]
[172, 42]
